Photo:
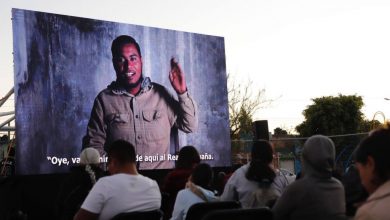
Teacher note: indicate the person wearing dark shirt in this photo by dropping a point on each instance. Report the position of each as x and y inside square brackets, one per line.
[78, 184]
[176, 180]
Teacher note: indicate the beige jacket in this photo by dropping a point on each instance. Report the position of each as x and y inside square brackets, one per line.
[377, 206]
[145, 120]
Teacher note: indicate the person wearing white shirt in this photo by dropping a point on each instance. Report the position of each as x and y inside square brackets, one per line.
[196, 191]
[257, 183]
[124, 191]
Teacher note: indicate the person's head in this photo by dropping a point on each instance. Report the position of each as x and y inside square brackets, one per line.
[188, 158]
[120, 154]
[4, 139]
[371, 157]
[260, 168]
[262, 151]
[202, 175]
[127, 61]
[89, 156]
[318, 157]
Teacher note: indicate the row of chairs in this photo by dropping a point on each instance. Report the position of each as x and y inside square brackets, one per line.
[224, 210]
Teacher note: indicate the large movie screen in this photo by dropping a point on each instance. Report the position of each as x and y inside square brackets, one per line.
[86, 83]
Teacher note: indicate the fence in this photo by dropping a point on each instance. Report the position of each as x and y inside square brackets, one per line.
[288, 150]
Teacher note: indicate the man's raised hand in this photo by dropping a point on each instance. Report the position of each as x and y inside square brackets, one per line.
[176, 76]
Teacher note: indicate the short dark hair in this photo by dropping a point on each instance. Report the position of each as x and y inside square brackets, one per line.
[4, 139]
[188, 156]
[122, 151]
[120, 41]
[202, 175]
[376, 145]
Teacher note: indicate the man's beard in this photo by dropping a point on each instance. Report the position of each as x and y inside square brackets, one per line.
[123, 80]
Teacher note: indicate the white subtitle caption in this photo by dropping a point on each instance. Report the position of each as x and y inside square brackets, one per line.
[63, 161]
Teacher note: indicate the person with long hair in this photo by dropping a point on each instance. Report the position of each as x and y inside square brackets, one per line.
[197, 190]
[373, 164]
[78, 184]
[257, 183]
[176, 180]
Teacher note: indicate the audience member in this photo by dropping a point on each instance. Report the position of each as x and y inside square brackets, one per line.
[257, 183]
[197, 190]
[355, 194]
[124, 191]
[373, 164]
[176, 180]
[78, 184]
[316, 195]
[3, 147]
[232, 169]
[223, 177]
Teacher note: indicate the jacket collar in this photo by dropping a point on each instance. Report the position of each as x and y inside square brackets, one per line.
[380, 193]
[118, 89]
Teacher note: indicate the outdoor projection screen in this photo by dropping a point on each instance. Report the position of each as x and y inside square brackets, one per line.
[62, 62]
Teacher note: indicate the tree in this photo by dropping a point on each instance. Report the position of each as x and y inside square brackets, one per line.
[244, 101]
[245, 122]
[280, 132]
[331, 115]
[368, 125]
[337, 115]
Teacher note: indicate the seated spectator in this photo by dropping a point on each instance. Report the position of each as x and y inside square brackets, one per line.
[223, 177]
[3, 147]
[373, 164]
[78, 184]
[176, 180]
[355, 194]
[197, 190]
[124, 191]
[257, 183]
[316, 195]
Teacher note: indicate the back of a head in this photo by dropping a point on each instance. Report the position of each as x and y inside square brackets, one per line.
[259, 169]
[188, 156]
[376, 145]
[122, 151]
[202, 175]
[120, 41]
[318, 156]
[89, 156]
[4, 139]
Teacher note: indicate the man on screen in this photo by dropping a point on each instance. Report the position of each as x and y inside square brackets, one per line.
[135, 109]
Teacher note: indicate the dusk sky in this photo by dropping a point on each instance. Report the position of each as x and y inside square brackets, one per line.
[295, 50]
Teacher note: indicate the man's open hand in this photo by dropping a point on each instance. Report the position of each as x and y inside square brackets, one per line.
[176, 76]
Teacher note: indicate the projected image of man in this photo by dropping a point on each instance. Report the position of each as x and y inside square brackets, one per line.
[135, 109]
